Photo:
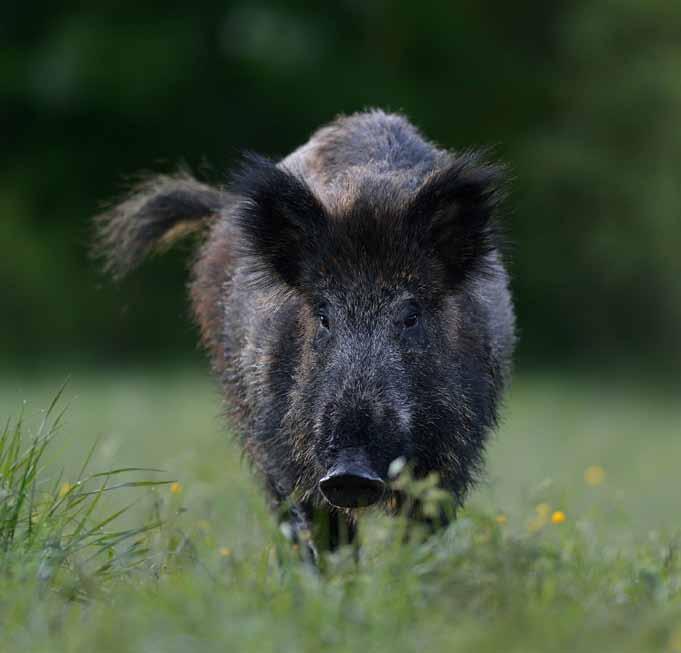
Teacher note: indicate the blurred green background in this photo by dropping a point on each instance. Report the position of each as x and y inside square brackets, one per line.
[581, 99]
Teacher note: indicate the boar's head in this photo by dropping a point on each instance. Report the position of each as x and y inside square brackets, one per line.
[398, 290]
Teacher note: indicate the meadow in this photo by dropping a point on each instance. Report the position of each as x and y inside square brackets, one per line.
[571, 542]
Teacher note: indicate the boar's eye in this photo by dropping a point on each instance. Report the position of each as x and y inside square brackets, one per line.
[409, 318]
[324, 321]
[410, 321]
[322, 315]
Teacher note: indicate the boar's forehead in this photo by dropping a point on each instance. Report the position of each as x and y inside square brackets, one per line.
[374, 267]
[367, 309]
[374, 247]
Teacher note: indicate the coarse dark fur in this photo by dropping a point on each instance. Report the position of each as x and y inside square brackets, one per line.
[350, 296]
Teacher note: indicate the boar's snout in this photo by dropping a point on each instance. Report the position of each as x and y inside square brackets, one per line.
[352, 482]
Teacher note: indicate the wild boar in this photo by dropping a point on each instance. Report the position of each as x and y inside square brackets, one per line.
[355, 306]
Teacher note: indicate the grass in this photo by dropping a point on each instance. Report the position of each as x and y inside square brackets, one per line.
[55, 531]
[510, 575]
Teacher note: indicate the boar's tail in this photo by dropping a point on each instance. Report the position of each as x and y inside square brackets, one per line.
[158, 212]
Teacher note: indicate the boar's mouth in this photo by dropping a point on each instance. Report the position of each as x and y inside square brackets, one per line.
[352, 482]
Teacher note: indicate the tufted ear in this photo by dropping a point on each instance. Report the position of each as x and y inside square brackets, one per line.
[455, 210]
[279, 217]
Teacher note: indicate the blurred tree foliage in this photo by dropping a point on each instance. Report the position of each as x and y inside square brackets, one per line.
[600, 232]
[583, 100]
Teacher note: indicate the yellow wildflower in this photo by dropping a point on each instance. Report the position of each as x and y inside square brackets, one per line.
[176, 487]
[594, 475]
[502, 519]
[558, 517]
[225, 551]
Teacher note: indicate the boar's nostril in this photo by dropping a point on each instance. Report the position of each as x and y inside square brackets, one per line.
[351, 491]
[351, 486]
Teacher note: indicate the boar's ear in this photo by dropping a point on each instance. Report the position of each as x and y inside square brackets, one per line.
[279, 217]
[455, 210]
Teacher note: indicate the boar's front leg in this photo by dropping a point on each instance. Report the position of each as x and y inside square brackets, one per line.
[333, 528]
[315, 530]
[296, 523]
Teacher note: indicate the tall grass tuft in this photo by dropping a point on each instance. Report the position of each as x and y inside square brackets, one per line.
[55, 529]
